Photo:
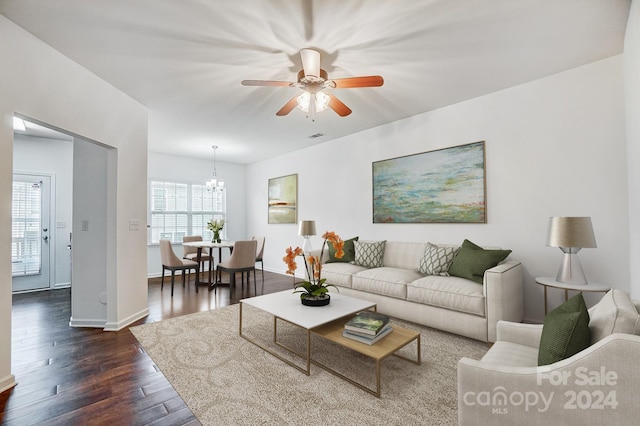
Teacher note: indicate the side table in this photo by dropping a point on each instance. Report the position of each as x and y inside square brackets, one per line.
[551, 282]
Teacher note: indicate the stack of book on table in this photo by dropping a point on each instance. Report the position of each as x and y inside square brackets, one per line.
[367, 327]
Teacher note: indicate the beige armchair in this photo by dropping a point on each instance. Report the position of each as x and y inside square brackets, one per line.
[596, 386]
[242, 259]
[173, 263]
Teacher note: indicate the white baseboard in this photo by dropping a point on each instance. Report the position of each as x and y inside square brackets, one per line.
[91, 323]
[112, 326]
[7, 383]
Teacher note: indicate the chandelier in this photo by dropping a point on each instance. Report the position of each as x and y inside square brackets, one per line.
[213, 184]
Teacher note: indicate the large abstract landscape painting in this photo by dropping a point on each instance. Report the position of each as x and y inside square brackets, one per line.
[443, 186]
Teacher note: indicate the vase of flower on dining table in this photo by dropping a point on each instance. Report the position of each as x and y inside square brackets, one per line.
[216, 225]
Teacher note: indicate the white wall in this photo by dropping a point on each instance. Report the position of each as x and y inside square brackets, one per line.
[632, 104]
[185, 169]
[90, 229]
[554, 147]
[51, 156]
[42, 84]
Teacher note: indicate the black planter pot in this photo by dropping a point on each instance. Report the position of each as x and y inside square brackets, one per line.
[316, 302]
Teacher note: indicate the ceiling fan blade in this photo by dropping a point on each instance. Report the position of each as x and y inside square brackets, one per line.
[288, 107]
[369, 81]
[264, 83]
[338, 106]
[310, 62]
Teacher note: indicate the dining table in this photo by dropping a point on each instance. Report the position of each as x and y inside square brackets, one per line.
[199, 245]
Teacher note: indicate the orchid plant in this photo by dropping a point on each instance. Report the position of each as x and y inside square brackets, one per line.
[315, 287]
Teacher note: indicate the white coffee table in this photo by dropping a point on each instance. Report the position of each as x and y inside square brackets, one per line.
[327, 322]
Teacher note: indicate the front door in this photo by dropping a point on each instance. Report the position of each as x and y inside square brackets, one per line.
[30, 232]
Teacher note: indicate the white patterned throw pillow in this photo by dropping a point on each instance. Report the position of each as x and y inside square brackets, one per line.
[369, 253]
[437, 260]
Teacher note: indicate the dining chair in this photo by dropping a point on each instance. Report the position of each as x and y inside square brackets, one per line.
[173, 263]
[242, 259]
[259, 253]
[191, 253]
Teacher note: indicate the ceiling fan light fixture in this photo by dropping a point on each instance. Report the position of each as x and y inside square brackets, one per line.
[312, 81]
[321, 101]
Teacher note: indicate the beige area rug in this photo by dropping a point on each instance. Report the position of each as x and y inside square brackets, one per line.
[225, 379]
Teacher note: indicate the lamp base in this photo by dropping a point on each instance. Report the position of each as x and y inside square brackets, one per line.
[306, 245]
[571, 270]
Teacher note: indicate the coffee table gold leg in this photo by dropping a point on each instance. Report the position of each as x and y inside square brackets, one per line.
[308, 352]
[275, 328]
[377, 394]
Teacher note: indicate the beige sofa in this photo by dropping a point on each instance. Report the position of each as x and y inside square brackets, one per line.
[596, 386]
[452, 304]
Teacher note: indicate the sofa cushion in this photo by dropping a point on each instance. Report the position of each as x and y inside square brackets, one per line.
[369, 253]
[565, 331]
[614, 313]
[437, 260]
[401, 254]
[472, 260]
[340, 273]
[348, 249]
[453, 293]
[386, 281]
[508, 354]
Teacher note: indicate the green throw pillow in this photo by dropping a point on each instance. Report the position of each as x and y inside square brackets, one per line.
[349, 251]
[472, 260]
[369, 253]
[565, 331]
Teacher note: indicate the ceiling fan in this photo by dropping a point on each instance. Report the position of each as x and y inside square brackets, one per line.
[313, 83]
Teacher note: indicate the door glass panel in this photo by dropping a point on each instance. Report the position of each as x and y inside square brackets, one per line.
[26, 252]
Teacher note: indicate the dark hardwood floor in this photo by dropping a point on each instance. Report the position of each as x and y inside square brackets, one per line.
[84, 376]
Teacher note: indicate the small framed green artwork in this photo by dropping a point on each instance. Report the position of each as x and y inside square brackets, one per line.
[442, 186]
[283, 199]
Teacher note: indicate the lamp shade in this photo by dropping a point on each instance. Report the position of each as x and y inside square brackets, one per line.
[571, 232]
[307, 227]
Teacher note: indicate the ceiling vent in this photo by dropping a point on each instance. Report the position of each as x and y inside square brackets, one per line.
[317, 135]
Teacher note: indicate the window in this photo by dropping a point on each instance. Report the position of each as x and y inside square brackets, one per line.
[179, 209]
[25, 228]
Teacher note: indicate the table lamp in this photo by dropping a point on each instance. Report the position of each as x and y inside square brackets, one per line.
[306, 229]
[571, 234]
